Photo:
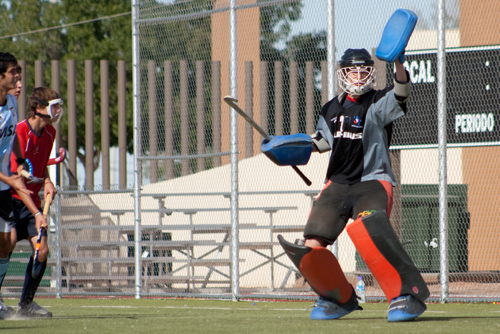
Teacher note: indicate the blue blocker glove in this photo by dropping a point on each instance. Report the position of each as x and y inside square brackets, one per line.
[289, 150]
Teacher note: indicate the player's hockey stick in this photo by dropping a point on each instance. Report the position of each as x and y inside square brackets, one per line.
[232, 102]
[37, 268]
[59, 159]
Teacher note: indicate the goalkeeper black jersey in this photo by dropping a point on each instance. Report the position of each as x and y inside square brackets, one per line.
[359, 135]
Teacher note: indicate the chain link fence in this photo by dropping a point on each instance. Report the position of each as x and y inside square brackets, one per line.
[282, 81]
[183, 149]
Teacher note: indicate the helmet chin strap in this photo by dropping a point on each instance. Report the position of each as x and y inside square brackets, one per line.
[357, 91]
[42, 115]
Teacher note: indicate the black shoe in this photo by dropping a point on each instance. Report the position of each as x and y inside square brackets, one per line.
[33, 310]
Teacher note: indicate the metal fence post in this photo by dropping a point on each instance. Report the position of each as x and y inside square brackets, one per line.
[58, 244]
[234, 152]
[443, 194]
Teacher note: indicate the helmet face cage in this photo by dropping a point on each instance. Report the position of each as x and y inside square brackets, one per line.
[356, 74]
[356, 80]
[55, 113]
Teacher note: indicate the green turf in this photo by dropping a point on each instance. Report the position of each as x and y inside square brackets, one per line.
[183, 316]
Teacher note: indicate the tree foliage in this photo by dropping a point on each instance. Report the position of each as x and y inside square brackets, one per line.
[310, 47]
[176, 36]
[108, 39]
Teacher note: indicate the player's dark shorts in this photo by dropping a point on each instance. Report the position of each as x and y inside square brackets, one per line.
[24, 222]
[339, 202]
[6, 217]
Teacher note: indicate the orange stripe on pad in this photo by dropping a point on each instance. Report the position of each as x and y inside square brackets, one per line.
[322, 271]
[386, 275]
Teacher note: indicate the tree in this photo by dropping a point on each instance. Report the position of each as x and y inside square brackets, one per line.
[99, 39]
[172, 38]
[275, 27]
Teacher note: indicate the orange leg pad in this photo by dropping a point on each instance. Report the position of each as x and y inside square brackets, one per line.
[385, 274]
[385, 257]
[322, 271]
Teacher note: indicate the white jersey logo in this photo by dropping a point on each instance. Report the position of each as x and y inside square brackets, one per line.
[346, 134]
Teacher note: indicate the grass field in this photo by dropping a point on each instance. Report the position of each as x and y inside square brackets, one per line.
[184, 316]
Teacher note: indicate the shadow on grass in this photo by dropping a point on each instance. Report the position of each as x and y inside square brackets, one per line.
[108, 316]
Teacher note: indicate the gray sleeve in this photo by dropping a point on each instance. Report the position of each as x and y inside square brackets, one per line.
[387, 109]
[323, 138]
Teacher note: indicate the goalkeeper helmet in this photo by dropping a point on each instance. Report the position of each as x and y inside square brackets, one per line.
[356, 73]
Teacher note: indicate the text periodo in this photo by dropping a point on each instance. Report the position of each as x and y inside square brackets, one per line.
[470, 123]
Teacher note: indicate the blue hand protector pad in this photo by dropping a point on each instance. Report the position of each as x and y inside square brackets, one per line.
[397, 33]
[291, 150]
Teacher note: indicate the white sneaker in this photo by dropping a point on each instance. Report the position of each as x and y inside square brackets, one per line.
[33, 310]
[5, 311]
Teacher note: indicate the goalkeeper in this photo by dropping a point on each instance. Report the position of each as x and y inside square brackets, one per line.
[356, 127]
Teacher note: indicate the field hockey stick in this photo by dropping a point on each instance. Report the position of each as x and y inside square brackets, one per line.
[58, 159]
[37, 268]
[232, 103]
[27, 172]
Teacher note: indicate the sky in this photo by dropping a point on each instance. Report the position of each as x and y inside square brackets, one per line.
[359, 24]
